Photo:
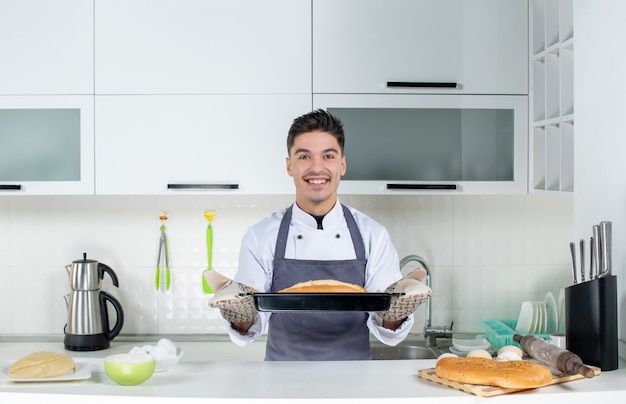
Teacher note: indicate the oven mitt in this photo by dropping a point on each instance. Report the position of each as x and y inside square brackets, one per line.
[411, 293]
[231, 298]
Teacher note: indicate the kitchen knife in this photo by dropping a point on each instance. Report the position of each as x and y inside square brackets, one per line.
[572, 249]
[606, 247]
[582, 260]
[596, 256]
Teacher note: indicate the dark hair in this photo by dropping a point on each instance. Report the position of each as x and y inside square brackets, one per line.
[318, 120]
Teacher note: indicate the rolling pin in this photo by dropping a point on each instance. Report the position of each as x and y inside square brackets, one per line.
[560, 359]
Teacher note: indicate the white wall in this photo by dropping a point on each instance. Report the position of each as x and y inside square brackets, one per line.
[600, 137]
[488, 254]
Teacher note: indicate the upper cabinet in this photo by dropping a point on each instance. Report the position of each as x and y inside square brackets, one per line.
[46, 47]
[163, 96]
[46, 97]
[46, 144]
[203, 47]
[426, 46]
[552, 96]
[190, 93]
[432, 143]
[177, 144]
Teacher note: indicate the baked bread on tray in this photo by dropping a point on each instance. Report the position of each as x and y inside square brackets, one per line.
[324, 286]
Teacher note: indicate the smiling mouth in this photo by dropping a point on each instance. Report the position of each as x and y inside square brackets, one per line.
[317, 181]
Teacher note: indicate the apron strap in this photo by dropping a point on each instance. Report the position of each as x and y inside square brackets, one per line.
[283, 232]
[357, 239]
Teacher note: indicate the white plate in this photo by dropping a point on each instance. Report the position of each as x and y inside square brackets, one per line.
[543, 316]
[163, 365]
[83, 371]
[525, 319]
[469, 344]
[463, 354]
[552, 313]
[539, 314]
[535, 323]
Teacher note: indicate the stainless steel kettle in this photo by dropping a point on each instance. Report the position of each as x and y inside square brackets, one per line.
[87, 274]
[88, 327]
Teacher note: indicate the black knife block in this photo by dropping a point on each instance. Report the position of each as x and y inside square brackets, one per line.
[591, 322]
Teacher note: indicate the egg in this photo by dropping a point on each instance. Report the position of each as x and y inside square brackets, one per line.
[139, 350]
[447, 355]
[148, 347]
[167, 344]
[508, 356]
[159, 352]
[511, 348]
[479, 353]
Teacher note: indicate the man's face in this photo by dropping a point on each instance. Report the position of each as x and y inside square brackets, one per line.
[316, 164]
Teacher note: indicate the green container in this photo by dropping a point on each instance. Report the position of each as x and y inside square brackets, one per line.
[500, 332]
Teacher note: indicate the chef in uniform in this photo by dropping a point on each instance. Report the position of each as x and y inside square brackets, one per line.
[317, 237]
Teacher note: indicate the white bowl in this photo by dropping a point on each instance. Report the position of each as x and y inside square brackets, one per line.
[165, 364]
[470, 344]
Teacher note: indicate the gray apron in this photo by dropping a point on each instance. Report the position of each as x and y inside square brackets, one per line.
[316, 335]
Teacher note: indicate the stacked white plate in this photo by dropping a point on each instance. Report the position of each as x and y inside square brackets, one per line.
[461, 346]
[538, 317]
[552, 313]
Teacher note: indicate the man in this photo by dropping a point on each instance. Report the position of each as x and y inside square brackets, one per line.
[317, 238]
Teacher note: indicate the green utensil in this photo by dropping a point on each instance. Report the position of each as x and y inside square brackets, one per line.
[163, 252]
[209, 215]
[168, 278]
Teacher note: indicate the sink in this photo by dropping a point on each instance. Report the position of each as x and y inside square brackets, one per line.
[385, 352]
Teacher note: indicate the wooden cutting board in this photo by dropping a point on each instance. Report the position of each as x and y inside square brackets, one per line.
[490, 391]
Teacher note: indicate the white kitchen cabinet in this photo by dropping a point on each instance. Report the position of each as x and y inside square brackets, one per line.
[46, 47]
[46, 145]
[173, 144]
[203, 47]
[552, 96]
[472, 47]
[432, 143]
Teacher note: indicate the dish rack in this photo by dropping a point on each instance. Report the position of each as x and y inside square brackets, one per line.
[500, 332]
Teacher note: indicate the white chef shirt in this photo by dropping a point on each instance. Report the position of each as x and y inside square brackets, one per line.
[305, 241]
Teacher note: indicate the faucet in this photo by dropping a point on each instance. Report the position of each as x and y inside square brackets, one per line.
[431, 333]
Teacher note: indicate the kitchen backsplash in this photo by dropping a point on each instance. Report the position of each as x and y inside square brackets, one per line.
[487, 254]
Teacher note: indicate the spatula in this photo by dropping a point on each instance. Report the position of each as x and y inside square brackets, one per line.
[209, 215]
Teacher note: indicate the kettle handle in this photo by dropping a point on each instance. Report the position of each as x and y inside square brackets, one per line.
[111, 333]
[102, 268]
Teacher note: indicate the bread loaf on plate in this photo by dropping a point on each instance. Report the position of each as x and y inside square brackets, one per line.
[324, 286]
[488, 372]
[41, 365]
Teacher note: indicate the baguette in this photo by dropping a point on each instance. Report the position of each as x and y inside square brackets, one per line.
[488, 372]
[324, 286]
[39, 365]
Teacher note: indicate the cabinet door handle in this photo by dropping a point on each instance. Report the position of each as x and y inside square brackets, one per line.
[422, 84]
[10, 187]
[422, 186]
[215, 187]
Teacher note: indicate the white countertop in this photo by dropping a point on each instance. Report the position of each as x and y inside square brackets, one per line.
[225, 373]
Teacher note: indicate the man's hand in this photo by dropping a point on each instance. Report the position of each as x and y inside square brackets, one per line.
[411, 293]
[233, 299]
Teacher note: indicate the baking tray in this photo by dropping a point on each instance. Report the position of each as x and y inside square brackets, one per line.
[289, 302]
